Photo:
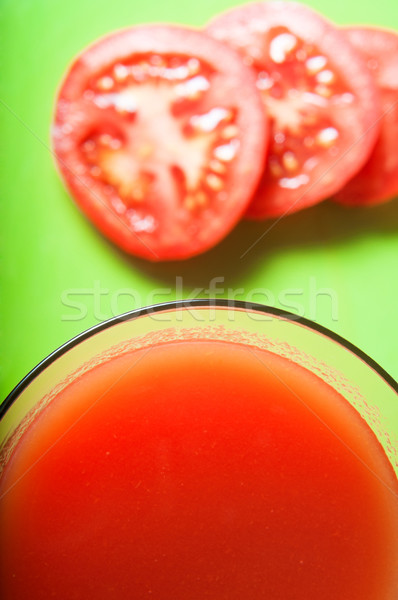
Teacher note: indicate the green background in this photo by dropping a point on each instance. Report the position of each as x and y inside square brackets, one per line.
[58, 276]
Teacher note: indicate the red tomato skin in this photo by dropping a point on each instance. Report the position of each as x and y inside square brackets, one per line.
[377, 181]
[73, 120]
[359, 129]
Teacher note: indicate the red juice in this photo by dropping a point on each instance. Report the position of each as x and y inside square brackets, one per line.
[199, 470]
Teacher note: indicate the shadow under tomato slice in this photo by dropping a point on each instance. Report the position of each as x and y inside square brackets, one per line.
[160, 136]
[321, 100]
[377, 181]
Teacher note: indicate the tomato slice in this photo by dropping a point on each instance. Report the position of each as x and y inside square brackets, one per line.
[318, 93]
[160, 136]
[377, 181]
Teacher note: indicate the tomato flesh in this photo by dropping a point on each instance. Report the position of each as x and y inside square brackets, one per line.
[321, 100]
[378, 179]
[160, 136]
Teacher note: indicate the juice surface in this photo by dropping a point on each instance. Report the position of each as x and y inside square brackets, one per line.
[199, 471]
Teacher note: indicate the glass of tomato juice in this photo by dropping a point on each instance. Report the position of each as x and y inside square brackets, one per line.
[201, 450]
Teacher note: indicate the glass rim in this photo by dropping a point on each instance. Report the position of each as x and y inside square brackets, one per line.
[191, 304]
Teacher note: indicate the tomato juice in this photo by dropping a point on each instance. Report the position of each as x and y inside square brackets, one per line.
[199, 470]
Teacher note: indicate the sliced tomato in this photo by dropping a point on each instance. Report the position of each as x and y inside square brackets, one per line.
[160, 136]
[318, 93]
[377, 181]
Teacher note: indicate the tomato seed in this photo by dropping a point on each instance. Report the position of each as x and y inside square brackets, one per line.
[229, 132]
[210, 120]
[189, 202]
[89, 146]
[218, 167]
[201, 198]
[193, 88]
[279, 138]
[157, 61]
[95, 171]
[105, 139]
[290, 162]
[325, 76]
[214, 182]
[315, 64]
[120, 72]
[105, 83]
[327, 137]
[275, 169]
[226, 152]
[193, 66]
[264, 81]
[281, 46]
[323, 90]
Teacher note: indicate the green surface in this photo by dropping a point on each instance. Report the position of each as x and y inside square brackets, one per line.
[336, 266]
